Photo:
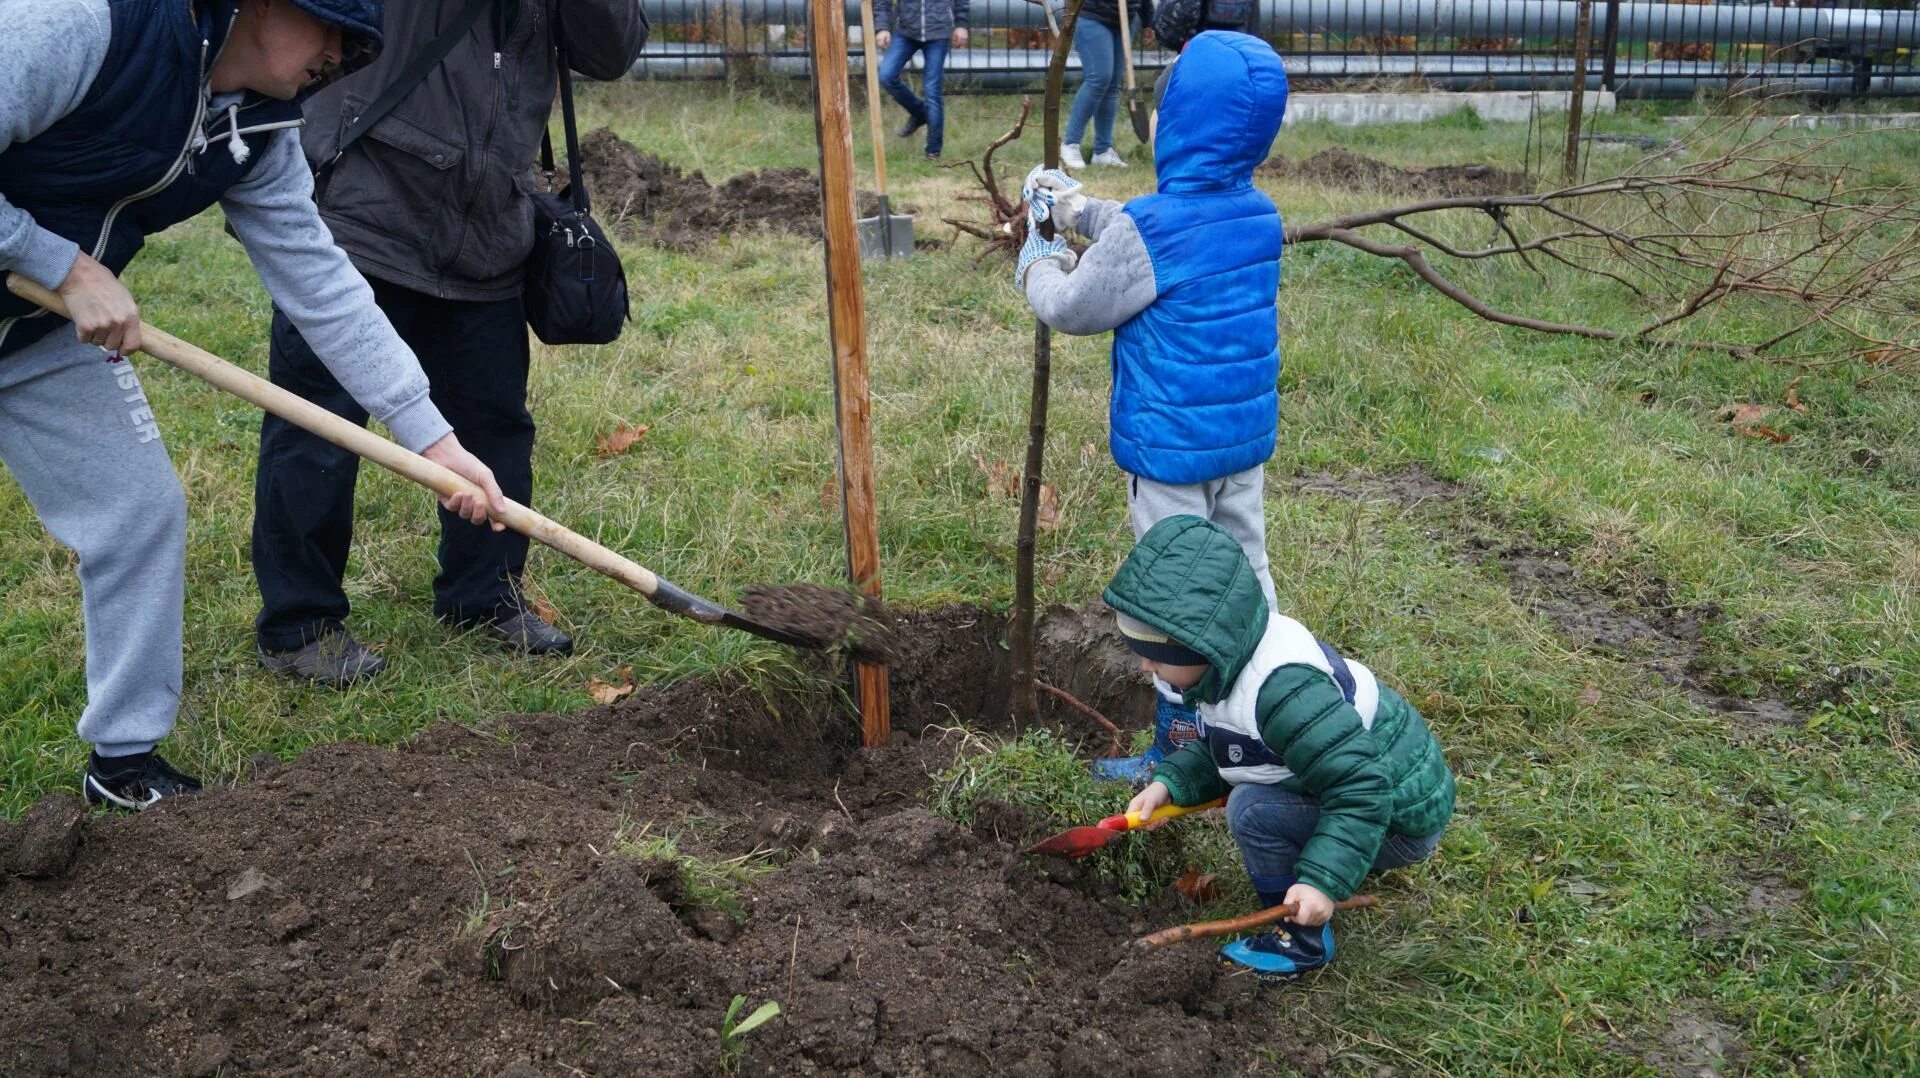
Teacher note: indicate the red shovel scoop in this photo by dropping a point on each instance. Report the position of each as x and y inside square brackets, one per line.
[1082, 841]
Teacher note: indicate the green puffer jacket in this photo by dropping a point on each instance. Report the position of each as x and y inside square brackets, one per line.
[1189, 579]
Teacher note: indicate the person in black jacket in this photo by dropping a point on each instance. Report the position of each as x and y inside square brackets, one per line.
[1096, 40]
[432, 205]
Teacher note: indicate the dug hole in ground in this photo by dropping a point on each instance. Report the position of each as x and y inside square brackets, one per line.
[560, 894]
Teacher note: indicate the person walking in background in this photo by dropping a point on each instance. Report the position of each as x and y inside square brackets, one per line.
[432, 205]
[1096, 40]
[926, 27]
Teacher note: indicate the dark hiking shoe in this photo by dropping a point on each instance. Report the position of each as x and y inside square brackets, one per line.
[529, 634]
[336, 659]
[1282, 952]
[912, 124]
[133, 782]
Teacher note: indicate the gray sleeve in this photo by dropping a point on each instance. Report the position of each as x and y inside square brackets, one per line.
[1096, 215]
[49, 54]
[1112, 282]
[603, 37]
[325, 297]
[962, 12]
[882, 16]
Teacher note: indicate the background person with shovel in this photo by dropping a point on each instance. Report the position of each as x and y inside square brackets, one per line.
[1327, 773]
[119, 118]
[431, 203]
[928, 27]
[1098, 42]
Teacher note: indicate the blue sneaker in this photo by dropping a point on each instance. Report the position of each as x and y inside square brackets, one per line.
[1173, 726]
[1282, 952]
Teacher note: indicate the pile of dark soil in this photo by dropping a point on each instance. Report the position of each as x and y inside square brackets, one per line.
[1345, 169]
[459, 906]
[656, 202]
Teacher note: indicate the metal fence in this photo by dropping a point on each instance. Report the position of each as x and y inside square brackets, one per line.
[1636, 49]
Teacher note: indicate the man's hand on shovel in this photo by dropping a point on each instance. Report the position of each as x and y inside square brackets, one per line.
[474, 506]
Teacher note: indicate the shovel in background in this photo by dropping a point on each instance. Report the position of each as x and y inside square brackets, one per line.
[889, 235]
[410, 465]
[1076, 842]
[1136, 108]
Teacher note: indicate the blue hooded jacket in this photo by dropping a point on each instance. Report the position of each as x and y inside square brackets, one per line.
[1195, 374]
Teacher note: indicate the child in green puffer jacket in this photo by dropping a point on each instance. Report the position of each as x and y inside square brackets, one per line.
[1328, 774]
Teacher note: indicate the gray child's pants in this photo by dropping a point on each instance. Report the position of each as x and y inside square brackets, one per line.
[76, 433]
[1237, 503]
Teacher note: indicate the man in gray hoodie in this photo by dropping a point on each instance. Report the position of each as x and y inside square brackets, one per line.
[431, 203]
[119, 118]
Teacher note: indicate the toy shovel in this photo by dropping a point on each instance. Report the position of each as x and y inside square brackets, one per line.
[1082, 841]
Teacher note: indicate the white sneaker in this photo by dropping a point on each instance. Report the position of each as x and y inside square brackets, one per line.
[1070, 156]
[1109, 157]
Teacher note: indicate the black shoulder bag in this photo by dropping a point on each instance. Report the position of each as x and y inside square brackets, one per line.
[576, 290]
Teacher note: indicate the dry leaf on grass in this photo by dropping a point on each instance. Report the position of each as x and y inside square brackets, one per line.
[606, 692]
[1048, 514]
[1200, 888]
[1589, 695]
[1646, 398]
[621, 440]
[1746, 416]
[1793, 397]
[1001, 480]
[544, 610]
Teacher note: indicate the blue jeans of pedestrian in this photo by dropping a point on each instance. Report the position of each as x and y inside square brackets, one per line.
[1098, 99]
[931, 110]
[1272, 825]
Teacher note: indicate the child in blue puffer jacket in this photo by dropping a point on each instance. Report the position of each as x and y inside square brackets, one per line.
[1186, 278]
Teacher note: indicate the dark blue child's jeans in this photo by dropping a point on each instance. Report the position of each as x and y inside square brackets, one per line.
[1272, 825]
[932, 111]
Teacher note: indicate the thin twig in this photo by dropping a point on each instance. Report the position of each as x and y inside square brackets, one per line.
[1074, 702]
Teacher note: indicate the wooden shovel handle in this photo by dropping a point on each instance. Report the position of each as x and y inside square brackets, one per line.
[309, 416]
[870, 50]
[1198, 930]
[1126, 47]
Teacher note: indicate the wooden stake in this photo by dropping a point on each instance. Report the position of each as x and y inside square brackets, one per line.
[847, 329]
[1026, 702]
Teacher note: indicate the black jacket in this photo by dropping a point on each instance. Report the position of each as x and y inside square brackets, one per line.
[434, 196]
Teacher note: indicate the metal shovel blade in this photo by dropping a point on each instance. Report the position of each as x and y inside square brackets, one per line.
[889, 235]
[1076, 842]
[1137, 112]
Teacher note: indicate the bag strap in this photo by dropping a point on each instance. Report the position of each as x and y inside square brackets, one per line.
[411, 77]
[576, 183]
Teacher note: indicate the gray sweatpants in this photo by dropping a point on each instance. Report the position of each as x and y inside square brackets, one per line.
[76, 433]
[1237, 503]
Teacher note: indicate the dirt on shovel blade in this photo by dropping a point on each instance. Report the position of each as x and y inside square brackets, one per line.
[843, 619]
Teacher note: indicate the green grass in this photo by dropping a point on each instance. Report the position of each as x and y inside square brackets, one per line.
[706, 884]
[1596, 880]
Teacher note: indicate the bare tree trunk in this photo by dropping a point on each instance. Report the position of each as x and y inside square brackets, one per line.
[1026, 703]
[1577, 99]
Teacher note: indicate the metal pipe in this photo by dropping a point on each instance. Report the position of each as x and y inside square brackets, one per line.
[1759, 24]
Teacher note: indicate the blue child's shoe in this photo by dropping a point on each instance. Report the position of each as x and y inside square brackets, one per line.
[1282, 952]
[1173, 726]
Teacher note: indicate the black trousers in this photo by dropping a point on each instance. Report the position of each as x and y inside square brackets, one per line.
[476, 357]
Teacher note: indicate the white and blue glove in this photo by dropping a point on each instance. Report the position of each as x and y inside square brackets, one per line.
[1036, 248]
[1062, 196]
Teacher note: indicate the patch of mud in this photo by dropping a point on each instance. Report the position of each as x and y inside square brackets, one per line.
[462, 905]
[657, 202]
[1640, 626]
[49, 837]
[1345, 169]
[1694, 1044]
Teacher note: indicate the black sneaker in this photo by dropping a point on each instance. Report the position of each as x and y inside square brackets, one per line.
[336, 659]
[913, 123]
[529, 634]
[133, 782]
